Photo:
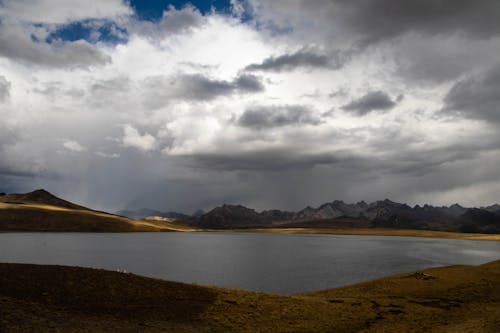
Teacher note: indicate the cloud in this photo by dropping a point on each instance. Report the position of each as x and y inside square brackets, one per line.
[132, 138]
[162, 90]
[277, 116]
[372, 101]
[4, 88]
[74, 146]
[107, 155]
[248, 84]
[437, 59]
[477, 96]
[307, 59]
[173, 21]
[424, 16]
[17, 44]
[265, 160]
[237, 7]
[172, 109]
[431, 40]
[111, 91]
[62, 11]
[377, 20]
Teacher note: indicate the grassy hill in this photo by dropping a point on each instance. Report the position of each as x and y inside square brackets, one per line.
[41, 211]
[69, 299]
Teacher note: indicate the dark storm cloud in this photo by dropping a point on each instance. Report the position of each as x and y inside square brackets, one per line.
[393, 161]
[377, 20]
[264, 160]
[476, 97]
[277, 116]
[442, 38]
[372, 101]
[196, 87]
[249, 83]
[4, 88]
[301, 59]
[381, 19]
[199, 87]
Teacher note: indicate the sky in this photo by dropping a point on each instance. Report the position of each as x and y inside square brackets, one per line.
[180, 106]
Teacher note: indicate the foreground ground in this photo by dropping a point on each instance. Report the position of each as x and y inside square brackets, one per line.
[68, 299]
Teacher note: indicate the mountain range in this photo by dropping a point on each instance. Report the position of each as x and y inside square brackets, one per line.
[378, 214]
[42, 211]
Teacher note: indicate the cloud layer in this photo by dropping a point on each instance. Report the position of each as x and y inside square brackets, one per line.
[272, 104]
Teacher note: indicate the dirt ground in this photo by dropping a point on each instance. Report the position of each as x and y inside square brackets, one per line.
[37, 298]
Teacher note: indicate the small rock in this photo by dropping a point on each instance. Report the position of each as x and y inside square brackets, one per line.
[422, 276]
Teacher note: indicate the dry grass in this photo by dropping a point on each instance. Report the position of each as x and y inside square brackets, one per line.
[28, 216]
[372, 231]
[69, 299]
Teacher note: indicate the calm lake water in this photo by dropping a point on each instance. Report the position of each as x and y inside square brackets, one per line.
[279, 263]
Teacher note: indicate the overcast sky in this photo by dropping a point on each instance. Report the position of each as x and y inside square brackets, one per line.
[270, 104]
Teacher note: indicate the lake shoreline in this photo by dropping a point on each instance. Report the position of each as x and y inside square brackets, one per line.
[370, 232]
[74, 299]
[319, 231]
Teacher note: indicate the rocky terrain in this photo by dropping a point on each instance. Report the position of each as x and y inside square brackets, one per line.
[379, 214]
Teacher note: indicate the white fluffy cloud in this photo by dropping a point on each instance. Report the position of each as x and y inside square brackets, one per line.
[132, 138]
[73, 146]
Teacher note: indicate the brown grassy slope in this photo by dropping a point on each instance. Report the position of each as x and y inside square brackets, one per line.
[39, 197]
[70, 299]
[41, 211]
[42, 217]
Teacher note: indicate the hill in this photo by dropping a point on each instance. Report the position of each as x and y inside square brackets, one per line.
[42, 211]
[72, 299]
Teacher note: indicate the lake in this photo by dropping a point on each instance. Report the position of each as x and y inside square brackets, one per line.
[282, 263]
